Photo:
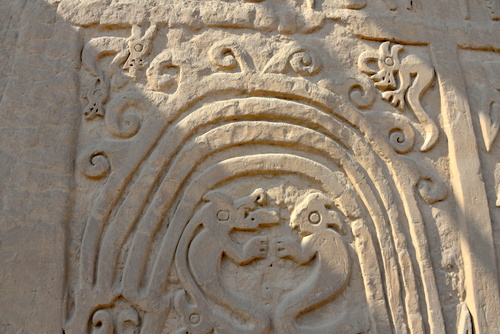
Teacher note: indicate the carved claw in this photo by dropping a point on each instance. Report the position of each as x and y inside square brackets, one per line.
[256, 248]
[395, 98]
[282, 246]
[288, 248]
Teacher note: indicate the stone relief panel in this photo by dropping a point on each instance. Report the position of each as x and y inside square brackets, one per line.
[250, 176]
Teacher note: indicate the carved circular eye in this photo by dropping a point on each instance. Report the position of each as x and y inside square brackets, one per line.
[389, 61]
[223, 215]
[194, 318]
[314, 217]
[138, 47]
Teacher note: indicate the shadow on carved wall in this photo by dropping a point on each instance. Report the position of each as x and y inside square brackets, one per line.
[230, 128]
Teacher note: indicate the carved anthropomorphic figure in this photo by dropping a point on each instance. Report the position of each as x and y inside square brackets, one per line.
[219, 217]
[320, 228]
[391, 66]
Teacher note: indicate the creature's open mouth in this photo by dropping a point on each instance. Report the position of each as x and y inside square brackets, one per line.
[265, 217]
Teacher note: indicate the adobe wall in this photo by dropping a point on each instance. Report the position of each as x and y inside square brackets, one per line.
[276, 166]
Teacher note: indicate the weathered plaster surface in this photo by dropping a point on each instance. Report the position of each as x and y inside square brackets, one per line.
[276, 166]
[38, 127]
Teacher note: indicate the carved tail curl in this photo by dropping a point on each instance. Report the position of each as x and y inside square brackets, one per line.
[420, 85]
[186, 277]
[227, 55]
[123, 120]
[202, 325]
[192, 315]
[331, 268]
[292, 305]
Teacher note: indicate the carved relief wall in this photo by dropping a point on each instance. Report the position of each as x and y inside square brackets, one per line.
[262, 168]
[284, 167]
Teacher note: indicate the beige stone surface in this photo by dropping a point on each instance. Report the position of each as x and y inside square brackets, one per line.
[275, 166]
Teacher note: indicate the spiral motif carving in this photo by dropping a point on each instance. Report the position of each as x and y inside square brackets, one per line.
[120, 120]
[94, 164]
[399, 142]
[227, 55]
[362, 96]
[224, 60]
[102, 322]
[305, 63]
[294, 57]
[128, 127]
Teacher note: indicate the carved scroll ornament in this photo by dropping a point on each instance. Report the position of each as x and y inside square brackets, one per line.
[394, 79]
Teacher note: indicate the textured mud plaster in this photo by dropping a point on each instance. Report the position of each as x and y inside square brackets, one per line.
[39, 123]
[276, 166]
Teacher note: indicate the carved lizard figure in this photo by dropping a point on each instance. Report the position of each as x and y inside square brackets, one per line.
[319, 227]
[405, 69]
[219, 218]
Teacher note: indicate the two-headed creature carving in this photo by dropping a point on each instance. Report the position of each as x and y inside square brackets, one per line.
[199, 257]
[219, 217]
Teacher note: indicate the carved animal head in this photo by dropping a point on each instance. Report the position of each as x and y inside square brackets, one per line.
[388, 63]
[247, 213]
[314, 214]
[139, 47]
